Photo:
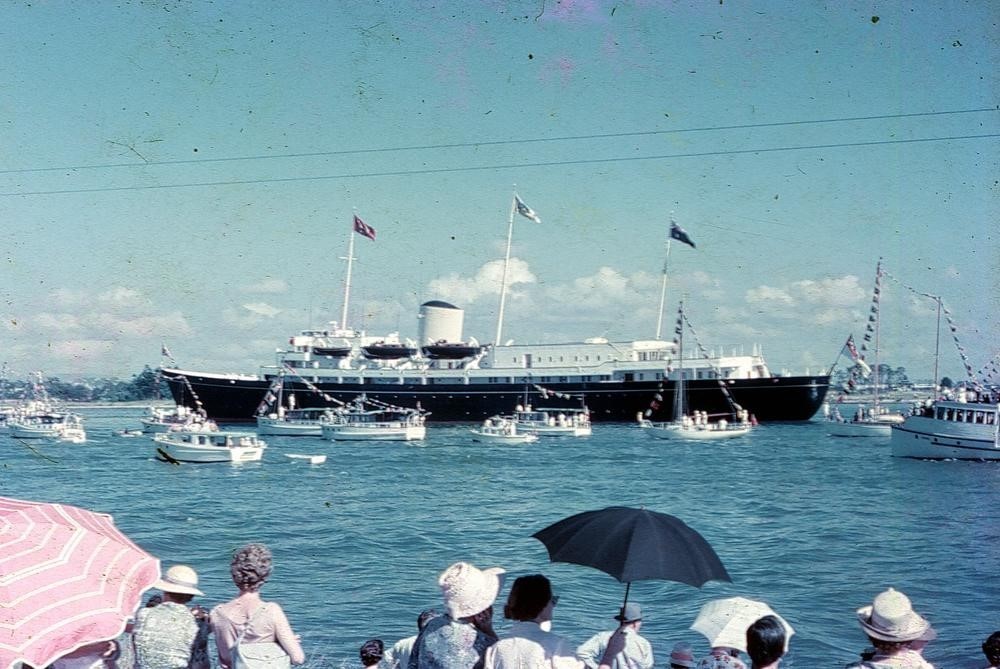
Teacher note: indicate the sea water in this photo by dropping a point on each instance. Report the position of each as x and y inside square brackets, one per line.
[814, 525]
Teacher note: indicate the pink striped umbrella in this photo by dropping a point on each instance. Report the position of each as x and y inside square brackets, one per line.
[68, 577]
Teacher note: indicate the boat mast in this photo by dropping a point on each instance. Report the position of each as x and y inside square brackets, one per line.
[937, 343]
[506, 266]
[878, 319]
[679, 384]
[663, 286]
[347, 280]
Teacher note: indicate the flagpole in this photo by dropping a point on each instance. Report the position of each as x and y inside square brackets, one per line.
[878, 319]
[347, 280]
[663, 291]
[937, 344]
[506, 265]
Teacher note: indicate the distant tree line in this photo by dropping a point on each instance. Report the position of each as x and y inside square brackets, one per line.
[146, 385]
[889, 377]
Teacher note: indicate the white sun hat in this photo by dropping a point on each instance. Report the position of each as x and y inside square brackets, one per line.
[180, 579]
[468, 590]
[891, 618]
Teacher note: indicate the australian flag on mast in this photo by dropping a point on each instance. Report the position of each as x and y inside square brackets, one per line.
[678, 233]
[363, 228]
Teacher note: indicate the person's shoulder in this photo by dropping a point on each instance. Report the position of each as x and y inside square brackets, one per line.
[603, 635]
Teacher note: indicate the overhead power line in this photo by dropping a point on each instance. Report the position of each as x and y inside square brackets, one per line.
[479, 168]
[500, 142]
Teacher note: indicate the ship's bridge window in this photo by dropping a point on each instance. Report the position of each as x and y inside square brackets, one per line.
[563, 379]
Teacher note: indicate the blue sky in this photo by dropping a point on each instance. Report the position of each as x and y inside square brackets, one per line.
[186, 172]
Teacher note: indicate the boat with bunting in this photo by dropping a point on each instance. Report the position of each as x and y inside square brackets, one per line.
[371, 420]
[552, 421]
[696, 425]
[56, 426]
[502, 430]
[179, 417]
[874, 420]
[38, 417]
[278, 414]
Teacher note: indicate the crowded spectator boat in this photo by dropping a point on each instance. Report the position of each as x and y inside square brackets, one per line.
[502, 430]
[371, 420]
[38, 417]
[176, 418]
[696, 425]
[966, 427]
[183, 445]
[553, 422]
[875, 420]
[307, 422]
[57, 426]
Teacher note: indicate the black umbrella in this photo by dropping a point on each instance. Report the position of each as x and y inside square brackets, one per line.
[634, 545]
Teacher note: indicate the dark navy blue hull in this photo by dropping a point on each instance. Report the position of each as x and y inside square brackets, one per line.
[792, 398]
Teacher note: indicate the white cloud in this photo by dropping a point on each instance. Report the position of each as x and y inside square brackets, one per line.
[262, 309]
[81, 350]
[66, 297]
[139, 326]
[267, 285]
[770, 294]
[842, 291]
[486, 282]
[53, 322]
[120, 296]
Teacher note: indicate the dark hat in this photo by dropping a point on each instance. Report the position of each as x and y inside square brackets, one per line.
[629, 613]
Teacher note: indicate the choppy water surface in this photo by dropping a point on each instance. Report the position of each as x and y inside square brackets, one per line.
[814, 525]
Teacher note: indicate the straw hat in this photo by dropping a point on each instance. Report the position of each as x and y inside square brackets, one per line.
[682, 655]
[468, 590]
[891, 618]
[181, 579]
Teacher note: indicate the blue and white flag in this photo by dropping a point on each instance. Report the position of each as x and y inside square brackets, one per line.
[678, 233]
[525, 210]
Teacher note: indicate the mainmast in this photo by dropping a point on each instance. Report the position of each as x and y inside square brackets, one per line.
[347, 280]
[506, 267]
[663, 287]
[516, 204]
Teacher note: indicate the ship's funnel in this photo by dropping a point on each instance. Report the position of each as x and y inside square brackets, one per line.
[439, 321]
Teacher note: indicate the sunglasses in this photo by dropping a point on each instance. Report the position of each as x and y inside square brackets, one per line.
[555, 600]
